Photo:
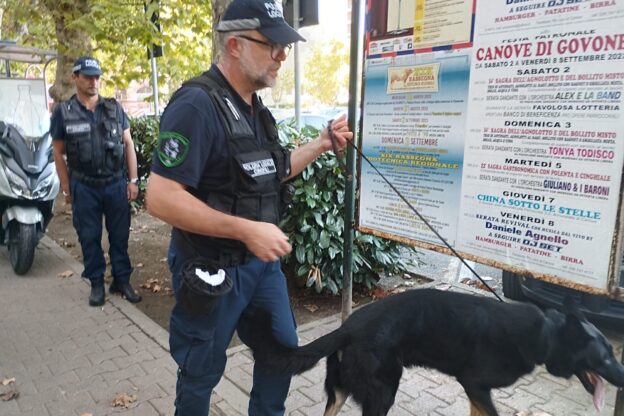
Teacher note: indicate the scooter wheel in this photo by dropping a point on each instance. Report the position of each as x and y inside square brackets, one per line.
[22, 243]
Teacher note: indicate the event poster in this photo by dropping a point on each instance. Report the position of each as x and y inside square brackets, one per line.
[414, 116]
[415, 113]
[438, 23]
[503, 125]
[414, 26]
[544, 137]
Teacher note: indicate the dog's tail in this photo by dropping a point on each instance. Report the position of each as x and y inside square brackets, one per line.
[281, 360]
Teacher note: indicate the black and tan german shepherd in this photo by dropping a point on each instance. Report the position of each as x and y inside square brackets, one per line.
[481, 342]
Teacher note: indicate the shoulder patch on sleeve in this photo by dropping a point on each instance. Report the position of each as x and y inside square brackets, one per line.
[172, 148]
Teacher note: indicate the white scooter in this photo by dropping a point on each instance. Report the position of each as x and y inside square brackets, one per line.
[28, 180]
[28, 187]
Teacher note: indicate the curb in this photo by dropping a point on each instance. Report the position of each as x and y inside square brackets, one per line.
[150, 328]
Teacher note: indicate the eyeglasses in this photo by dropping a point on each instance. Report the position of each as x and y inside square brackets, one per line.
[276, 48]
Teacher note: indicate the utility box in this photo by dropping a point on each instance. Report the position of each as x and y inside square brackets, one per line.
[308, 12]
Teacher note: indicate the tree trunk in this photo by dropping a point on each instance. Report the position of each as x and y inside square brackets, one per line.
[218, 7]
[72, 42]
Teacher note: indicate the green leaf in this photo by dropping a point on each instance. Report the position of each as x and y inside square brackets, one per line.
[365, 238]
[324, 240]
[300, 253]
[302, 270]
[331, 285]
[332, 252]
[319, 218]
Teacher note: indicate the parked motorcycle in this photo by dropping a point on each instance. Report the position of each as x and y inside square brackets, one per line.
[28, 180]
[28, 187]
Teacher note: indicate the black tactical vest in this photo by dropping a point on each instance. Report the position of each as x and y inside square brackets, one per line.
[95, 151]
[255, 174]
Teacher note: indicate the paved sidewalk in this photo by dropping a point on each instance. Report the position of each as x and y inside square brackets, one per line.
[68, 358]
[71, 359]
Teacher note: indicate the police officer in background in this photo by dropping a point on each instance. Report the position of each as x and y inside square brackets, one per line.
[97, 167]
[217, 175]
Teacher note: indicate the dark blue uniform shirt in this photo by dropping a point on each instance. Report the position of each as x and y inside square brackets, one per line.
[57, 124]
[193, 115]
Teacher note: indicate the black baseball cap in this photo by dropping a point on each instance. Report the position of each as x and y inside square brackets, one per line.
[265, 16]
[87, 65]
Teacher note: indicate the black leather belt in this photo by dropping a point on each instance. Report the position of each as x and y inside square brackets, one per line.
[95, 181]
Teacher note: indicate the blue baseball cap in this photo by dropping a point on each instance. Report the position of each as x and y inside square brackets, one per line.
[87, 65]
[265, 16]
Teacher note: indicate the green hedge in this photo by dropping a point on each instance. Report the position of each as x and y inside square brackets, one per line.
[315, 222]
[144, 132]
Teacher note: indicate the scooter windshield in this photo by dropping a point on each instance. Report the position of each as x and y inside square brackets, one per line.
[23, 104]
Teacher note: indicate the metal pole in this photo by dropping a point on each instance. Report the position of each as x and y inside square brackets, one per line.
[296, 16]
[619, 398]
[355, 71]
[617, 282]
[45, 83]
[154, 84]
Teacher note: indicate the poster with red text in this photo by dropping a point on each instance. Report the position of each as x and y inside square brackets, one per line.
[545, 137]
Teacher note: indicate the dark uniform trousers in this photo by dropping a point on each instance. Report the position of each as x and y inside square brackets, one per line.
[199, 343]
[89, 204]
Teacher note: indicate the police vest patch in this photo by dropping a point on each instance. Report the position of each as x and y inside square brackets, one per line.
[78, 128]
[172, 148]
[259, 168]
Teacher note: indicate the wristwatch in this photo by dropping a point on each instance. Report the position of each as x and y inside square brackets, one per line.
[134, 181]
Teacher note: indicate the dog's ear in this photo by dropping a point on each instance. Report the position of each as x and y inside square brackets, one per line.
[571, 307]
[574, 329]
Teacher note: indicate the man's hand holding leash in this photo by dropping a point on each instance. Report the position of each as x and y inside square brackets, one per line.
[266, 241]
[340, 129]
[304, 155]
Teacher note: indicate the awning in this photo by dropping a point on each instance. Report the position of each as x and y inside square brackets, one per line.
[18, 53]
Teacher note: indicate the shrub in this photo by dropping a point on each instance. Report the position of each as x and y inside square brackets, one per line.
[315, 221]
[145, 136]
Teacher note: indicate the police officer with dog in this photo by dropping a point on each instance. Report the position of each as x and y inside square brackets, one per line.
[97, 166]
[218, 176]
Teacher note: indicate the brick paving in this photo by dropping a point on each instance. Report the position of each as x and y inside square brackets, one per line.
[71, 359]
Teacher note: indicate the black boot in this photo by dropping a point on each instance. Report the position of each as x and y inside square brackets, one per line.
[96, 298]
[126, 290]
